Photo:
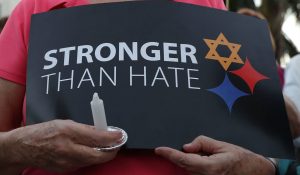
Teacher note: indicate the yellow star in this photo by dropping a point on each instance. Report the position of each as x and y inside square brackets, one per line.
[224, 61]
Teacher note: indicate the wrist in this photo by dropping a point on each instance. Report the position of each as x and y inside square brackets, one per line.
[274, 163]
[10, 163]
[271, 167]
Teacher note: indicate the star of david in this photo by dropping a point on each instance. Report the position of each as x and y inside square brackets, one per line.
[224, 61]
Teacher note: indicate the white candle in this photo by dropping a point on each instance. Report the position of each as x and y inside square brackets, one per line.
[98, 113]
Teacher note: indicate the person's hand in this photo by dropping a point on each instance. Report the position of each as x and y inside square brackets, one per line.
[250, 12]
[206, 156]
[59, 145]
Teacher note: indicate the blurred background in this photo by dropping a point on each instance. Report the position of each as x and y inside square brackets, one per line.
[6, 6]
[282, 15]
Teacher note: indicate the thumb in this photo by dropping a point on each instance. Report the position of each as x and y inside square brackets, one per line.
[181, 159]
[203, 144]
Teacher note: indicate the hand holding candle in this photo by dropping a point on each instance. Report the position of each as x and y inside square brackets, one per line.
[100, 123]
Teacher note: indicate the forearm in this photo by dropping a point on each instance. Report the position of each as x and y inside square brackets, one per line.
[11, 104]
[9, 164]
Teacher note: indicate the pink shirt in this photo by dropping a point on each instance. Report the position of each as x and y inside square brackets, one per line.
[14, 49]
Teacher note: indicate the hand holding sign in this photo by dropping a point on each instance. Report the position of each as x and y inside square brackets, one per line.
[59, 145]
[222, 158]
[225, 69]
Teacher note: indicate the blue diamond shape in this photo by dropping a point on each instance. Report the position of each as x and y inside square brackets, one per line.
[228, 92]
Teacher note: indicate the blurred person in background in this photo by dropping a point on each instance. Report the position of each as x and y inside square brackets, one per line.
[292, 90]
[292, 111]
[292, 81]
[250, 12]
[286, 167]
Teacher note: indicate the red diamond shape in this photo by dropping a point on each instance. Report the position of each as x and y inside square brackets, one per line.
[249, 75]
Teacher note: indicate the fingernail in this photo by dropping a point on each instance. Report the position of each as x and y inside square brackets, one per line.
[157, 150]
[116, 133]
[187, 145]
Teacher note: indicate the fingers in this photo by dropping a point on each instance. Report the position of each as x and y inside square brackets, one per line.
[250, 12]
[75, 156]
[70, 156]
[203, 144]
[87, 135]
[91, 156]
[184, 160]
[61, 145]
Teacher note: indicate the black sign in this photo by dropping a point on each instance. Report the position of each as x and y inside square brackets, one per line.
[167, 72]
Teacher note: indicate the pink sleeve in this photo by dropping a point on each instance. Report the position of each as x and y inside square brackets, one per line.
[13, 47]
[15, 36]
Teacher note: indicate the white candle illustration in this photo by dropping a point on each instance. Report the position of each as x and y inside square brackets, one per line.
[98, 113]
